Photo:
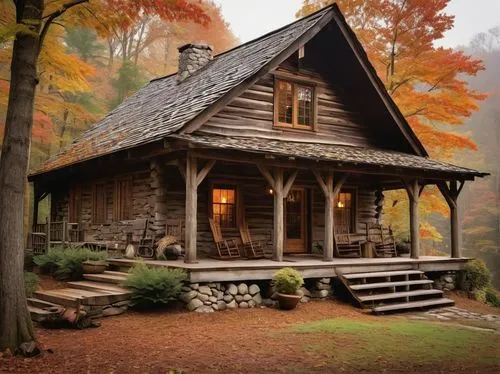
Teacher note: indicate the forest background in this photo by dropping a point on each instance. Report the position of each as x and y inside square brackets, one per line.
[95, 59]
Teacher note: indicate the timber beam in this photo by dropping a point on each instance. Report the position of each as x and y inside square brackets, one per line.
[281, 189]
[193, 179]
[330, 190]
[414, 191]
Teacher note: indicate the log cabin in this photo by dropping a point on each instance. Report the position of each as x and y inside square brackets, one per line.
[292, 134]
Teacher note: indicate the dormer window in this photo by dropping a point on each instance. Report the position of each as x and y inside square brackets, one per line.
[294, 105]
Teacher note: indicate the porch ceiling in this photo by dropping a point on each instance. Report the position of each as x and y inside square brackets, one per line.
[344, 156]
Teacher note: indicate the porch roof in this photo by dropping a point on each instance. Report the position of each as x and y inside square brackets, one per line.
[343, 155]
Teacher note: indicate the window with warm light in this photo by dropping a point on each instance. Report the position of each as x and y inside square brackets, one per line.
[224, 206]
[344, 210]
[294, 105]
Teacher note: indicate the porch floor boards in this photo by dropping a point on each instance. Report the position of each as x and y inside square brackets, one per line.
[212, 270]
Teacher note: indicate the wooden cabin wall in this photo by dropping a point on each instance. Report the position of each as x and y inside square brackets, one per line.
[142, 199]
[252, 115]
[159, 194]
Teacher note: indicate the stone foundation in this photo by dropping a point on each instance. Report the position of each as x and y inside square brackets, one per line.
[447, 281]
[210, 297]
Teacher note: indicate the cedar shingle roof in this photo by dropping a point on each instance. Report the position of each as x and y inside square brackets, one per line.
[332, 153]
[163, 106]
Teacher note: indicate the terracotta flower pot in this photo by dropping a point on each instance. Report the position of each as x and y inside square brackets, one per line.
[94, 267]
[288, 302]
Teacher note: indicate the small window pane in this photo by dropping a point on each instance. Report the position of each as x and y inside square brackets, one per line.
[304, 101]
[216, 196]
[285, 102]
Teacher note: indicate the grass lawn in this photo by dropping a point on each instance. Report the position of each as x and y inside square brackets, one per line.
[396, 341]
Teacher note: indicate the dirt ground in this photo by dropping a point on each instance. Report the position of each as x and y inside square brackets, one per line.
[253, 341]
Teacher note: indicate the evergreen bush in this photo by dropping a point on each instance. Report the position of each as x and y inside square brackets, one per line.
[48, 261]
[154, 286]
[477, 275]
[287, 281]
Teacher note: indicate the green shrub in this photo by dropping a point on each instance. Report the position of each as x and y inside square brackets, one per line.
[154, 286]
[477, 275]
[492, 298]
[287, 281]
[31, 282]
[67, 264]
[48, 262]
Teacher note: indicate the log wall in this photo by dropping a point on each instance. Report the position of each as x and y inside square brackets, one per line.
[251, 114]
[159, 194]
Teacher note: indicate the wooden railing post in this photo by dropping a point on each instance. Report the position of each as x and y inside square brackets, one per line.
[450, 193]
[47, 225]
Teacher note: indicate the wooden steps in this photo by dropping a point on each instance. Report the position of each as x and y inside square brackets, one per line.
[98, 286]
[398, 295]
[369, 286]
[393, 291]
[42, 315]
[115, 277]
[414, 305]
[382, 274]
[92, 296]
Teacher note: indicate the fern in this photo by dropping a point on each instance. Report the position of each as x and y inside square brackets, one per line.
[154, 286]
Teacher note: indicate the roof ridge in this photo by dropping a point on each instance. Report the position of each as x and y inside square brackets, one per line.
[259, 38]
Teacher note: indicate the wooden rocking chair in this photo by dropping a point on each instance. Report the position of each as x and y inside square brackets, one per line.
[147, 243]
[253, 248]
[227, 249]
[344, 245]
[383, 239]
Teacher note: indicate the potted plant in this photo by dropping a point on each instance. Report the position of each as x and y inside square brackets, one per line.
[287, 282]
[94, 267]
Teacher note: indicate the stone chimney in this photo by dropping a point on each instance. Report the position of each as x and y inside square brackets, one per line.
[191, 58]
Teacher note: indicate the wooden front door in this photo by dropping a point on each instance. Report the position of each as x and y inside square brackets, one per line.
[295, 221]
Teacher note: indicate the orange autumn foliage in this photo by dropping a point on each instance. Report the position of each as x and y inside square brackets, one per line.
[425, 81]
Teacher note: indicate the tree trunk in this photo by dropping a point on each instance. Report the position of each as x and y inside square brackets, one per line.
[15, 322]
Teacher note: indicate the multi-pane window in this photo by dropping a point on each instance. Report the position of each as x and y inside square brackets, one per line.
[344, 210]
[224, 206]
[294, 105]
[122, 199]
[99, 203]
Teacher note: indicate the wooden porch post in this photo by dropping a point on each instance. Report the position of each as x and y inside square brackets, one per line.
[280, 192]
[330, 190]
[450, 193]
[414, 191]
[36, 202]
[193, 180]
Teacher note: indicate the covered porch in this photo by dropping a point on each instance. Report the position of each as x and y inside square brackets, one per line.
[323, 172]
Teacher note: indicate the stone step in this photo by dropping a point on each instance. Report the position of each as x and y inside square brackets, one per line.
[396, 295]
[369, 286]
[98, 286]
[413, 305]
[42, 315]
[381, 274]
[105, 278]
